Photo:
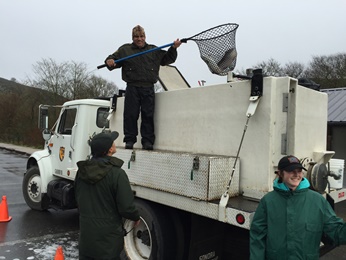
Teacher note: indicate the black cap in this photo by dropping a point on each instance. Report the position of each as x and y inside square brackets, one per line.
[101, 143]
[290, 163]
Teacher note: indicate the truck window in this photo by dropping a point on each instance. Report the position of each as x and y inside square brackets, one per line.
[101, 118]
[67, 121]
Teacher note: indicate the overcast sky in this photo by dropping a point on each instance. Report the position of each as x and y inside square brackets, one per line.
[87, 31]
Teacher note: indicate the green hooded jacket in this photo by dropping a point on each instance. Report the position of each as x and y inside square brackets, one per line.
[104, 197]
[289, 224]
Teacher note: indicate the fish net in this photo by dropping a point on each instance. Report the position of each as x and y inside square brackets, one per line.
[217, 47]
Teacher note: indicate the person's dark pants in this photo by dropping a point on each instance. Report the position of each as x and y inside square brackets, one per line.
[139, 100]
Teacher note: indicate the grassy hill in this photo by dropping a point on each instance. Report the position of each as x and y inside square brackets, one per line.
[19, 112]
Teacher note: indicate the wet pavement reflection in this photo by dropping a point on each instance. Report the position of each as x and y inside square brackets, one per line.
[32, 234]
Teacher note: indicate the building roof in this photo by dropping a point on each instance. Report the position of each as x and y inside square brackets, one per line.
[336, 105]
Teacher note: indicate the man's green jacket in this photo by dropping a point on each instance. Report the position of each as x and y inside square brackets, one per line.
[143, 70]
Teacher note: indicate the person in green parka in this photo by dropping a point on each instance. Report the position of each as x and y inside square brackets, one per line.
[104, 197]
[290, 220]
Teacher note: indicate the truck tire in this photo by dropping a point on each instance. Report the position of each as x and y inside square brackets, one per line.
[31, 188]
[154, 238]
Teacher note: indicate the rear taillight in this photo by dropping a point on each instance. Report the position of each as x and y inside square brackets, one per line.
[240, 219]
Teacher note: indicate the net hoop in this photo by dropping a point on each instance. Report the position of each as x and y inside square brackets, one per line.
[232, 27]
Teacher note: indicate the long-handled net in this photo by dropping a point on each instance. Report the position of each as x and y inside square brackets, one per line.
[216, 46]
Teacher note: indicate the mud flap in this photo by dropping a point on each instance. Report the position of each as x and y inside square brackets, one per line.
[206, 238]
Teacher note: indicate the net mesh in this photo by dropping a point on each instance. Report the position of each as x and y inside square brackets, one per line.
[217, 48]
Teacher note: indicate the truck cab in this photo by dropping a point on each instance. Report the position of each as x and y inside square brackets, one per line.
[65, 145]
[48, 182]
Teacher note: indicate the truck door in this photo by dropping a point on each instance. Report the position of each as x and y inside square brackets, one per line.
[63, 149]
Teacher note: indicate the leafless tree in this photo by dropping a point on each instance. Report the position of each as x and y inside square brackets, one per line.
[77, 80]
[329, 71]
[294, 69]
[270, 68]
[99, 87]
[70, 80]
[51, 76]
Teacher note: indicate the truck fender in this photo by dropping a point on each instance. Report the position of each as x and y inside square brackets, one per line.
[43, 161]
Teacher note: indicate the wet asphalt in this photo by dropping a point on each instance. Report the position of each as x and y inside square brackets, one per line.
[32, 234]
[36, 235]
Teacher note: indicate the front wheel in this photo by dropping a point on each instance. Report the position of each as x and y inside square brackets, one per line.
[31, 188]
[154, 237]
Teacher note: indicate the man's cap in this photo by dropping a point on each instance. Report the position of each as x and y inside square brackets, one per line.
[137, 30]
[290, 163]
[102, 142]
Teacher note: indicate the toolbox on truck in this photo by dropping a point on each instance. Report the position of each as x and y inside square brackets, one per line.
[198, 176]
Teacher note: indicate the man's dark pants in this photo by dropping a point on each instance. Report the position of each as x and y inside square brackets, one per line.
[139, 100]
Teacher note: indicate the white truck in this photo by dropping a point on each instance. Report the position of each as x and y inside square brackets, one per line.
[216, 151]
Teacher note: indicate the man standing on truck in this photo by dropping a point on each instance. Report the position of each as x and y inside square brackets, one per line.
[140, 73]
[104, 197]
[290, 220]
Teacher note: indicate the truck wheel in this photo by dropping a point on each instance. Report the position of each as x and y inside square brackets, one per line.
[32, 189]
[154, 238]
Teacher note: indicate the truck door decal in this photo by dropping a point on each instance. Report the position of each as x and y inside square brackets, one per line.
[62, 153]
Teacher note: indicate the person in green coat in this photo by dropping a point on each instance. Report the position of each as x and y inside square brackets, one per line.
[290, 220]
[104, 198]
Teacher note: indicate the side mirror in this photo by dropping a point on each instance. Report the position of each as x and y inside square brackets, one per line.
[43, 117]
[46, 134]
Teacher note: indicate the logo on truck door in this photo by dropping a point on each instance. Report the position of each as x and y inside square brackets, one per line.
[62, 153]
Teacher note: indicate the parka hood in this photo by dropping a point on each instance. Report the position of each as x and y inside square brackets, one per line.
[96, 169]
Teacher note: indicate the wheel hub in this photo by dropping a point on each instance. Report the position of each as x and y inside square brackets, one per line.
[144, 237]
[33, 189]
[138, 243]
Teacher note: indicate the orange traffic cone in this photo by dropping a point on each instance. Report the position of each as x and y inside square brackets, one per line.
[59, 255]
[4, 211]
